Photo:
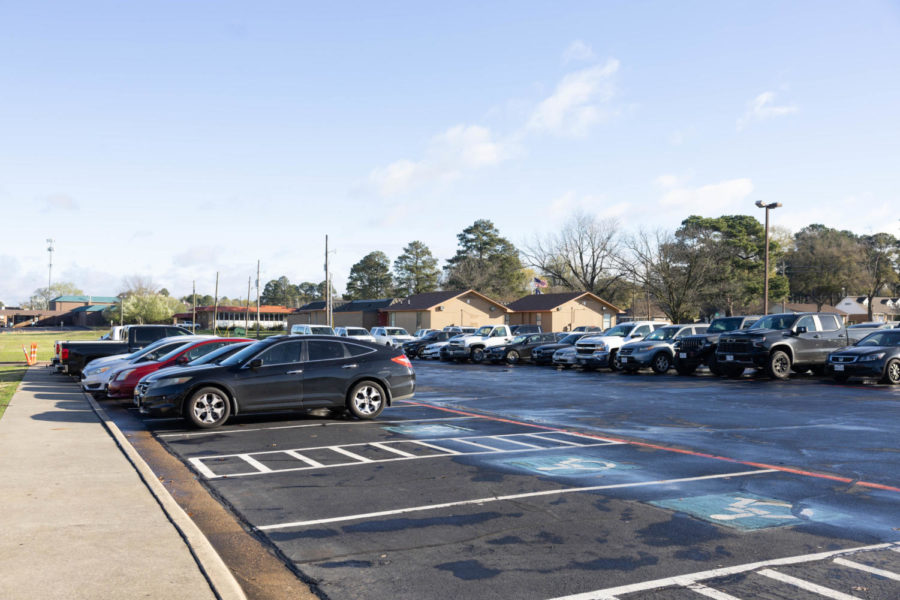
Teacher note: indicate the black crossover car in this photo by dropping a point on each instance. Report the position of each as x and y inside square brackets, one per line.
[281, 373]
[414, 348]
[520, 347]
[543, 354]
[876, 355]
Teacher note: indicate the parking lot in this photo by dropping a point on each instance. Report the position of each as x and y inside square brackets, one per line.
[525, 482]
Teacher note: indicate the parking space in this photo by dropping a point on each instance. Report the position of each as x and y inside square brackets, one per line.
[532, 483]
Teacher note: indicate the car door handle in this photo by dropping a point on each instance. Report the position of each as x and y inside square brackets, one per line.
[349, 366]
[297, 372]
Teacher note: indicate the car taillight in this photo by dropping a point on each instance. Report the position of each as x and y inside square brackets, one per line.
[64, 354]
[56, 349]
[402, 360]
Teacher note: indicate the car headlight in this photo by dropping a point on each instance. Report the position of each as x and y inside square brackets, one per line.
[871, 357]
[167, 381]
[123, 374]
[602, 347]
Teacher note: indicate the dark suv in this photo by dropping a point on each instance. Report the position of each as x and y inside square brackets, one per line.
[520, 347]
[781, 343]
[694, 350]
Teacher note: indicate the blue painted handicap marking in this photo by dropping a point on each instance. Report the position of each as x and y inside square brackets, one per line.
[740, 511]
[428, 430]
[563, 464]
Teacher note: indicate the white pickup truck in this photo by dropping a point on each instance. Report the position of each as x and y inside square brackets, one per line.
[472, 346]
[601, 350]
[391, 336]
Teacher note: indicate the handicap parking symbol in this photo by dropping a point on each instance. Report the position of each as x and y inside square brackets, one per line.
[740, 511]
[562, 465]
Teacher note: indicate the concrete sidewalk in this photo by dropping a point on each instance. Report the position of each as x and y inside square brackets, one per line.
[81, 515]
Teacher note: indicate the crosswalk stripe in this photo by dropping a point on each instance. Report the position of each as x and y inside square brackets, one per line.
[867, 568]
[806, 585]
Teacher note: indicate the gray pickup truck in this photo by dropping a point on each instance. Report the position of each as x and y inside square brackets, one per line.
[73, 356]
[784, 342]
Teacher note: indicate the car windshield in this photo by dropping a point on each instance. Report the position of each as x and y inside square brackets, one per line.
[162, 350]
[775, 322]
[395, 331]
[665, 333]
[619, 331]
[571, 338]
[218, 355]
[355, 331]
[484, 331]
[242, 355]
[148, 349]
[321, 330]
[726, 324]
[176, 351]
[519, 339]
[881, 338]
[866, 325]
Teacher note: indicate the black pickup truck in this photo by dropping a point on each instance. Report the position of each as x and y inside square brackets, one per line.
[691, 351]
[73, 356]
[781, 343]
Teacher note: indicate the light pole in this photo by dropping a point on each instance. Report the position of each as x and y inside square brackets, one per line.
[768, 207]
[50, 265]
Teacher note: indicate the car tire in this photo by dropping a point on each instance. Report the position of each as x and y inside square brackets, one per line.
[614, 364]
[661, 363]
[366, 400]
[207, 408]
[477, 355]
[892, 372]
[714, 365]
[779, 365]
[512, 357]
[684, 369]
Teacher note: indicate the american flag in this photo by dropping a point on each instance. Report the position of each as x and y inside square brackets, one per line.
[538, 282]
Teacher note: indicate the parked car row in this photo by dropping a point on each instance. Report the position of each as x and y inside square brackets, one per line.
[777, 345]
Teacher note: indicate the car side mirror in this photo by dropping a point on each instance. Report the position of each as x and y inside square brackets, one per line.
[255, 363]
[801, 329]
[636, 336]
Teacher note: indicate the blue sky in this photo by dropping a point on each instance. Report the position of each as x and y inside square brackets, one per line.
[175, 139]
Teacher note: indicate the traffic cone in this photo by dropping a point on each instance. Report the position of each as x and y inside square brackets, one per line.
[33, 353]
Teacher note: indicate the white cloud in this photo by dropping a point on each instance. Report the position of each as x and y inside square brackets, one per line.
[59, 202]
[763, 107]
[578, 51]
[561, 208]
[575, 105]
[459, 149]
[715, 198]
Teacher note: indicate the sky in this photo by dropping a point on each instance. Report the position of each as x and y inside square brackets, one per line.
[173, 140]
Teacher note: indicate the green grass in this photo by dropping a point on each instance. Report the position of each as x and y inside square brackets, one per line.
[10, 376]
[11, 342]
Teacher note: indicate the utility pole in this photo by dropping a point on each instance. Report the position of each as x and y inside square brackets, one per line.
[327, 286]
[216, 309]
[194, 307]
[50, 265]
[247, 314]
[257, 299]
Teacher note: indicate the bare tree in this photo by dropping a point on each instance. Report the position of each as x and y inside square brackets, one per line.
[673, 270]
[877, 272]
[585, 255]
[139, 285]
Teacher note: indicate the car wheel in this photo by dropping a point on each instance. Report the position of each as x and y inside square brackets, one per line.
[685, 369]
[661, 363]
[207, 408]
[366, 400]
[892, 372]
[477, 355]
[714, 366]
[614, 363]
[841, 377]
[779, 365]
[512, 357]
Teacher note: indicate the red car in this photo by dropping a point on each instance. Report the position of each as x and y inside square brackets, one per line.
[122, 383]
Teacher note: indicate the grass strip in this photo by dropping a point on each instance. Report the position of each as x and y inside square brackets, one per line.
[10, 376]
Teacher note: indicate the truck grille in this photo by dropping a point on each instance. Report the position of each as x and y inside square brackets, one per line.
[626, 351]
[585, 348]
[734, 346]
[691, 343]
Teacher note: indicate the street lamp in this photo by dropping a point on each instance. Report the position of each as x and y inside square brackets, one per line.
[769, 206]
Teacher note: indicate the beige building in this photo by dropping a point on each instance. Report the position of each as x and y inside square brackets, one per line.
[363, 313]
[436, 310]
[312, 313]
[563, 312]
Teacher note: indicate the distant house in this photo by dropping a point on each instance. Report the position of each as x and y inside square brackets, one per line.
[67, 303]
[312, 313]
[270, 317]
[883, 308]
[62, 310]
[436, 310]
[564, 311]
[363, 313]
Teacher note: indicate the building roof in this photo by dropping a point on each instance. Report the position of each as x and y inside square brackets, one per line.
[545, 302]
[365, 305]
[317, 305]
[91, 308]
[429, 300]
[95, 299]
[798, 307]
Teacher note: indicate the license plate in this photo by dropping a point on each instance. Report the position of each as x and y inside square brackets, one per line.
[682, 355]
[838, 367]
[729, 357]
[624, 359]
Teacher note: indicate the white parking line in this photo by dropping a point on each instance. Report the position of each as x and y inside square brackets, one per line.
[711, 592]
[255, 463]
[352, 455]
[395, 422]
[867, 568]
[428, 507]
[691, 578]
[381, 446]
[806, 585]
[305, 459]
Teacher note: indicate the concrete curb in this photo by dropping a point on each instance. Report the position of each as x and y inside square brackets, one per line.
[221, 580]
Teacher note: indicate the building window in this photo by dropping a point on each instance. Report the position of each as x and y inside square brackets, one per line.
[607, 320]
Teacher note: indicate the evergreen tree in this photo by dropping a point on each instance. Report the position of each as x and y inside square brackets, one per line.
[487, 262]
[370, 278]
[415, 271]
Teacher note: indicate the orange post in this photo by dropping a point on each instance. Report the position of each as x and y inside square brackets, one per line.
[33, 353]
